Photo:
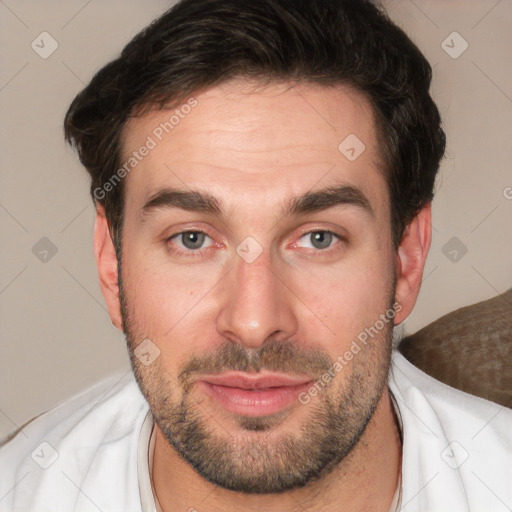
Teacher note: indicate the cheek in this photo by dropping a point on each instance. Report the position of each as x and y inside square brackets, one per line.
[167, 303]
[350, 297]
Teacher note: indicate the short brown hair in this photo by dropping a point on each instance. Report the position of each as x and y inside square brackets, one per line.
[201, 43]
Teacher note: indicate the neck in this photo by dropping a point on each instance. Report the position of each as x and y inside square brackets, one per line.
[365, 480]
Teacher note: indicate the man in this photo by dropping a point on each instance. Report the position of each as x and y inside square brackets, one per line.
[263, 175]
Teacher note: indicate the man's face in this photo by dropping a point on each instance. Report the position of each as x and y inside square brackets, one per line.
[323, 274]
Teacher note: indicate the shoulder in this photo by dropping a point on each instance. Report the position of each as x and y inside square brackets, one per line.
[75, 445]
[457, 410]
[457, 447]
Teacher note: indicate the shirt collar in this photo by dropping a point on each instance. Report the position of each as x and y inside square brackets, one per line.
[145, 463]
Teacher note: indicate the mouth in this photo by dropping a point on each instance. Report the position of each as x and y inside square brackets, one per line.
[254, 395]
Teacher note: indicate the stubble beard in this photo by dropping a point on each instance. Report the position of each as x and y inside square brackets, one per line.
[254, 458]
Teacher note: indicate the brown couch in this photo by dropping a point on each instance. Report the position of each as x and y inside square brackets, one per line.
[469, 349]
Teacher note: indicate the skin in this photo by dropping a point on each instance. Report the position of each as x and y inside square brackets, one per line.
[254, 149]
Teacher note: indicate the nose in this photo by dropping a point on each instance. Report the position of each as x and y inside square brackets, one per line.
[257, 305]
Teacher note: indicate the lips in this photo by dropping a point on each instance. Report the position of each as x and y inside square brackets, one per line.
[255, 382]
[254, 395]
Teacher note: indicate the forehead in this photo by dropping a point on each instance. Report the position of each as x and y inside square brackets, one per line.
[256, 144]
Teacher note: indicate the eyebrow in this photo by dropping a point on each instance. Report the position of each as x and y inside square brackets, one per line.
[186, 200]
[310, 202]
[327, 198]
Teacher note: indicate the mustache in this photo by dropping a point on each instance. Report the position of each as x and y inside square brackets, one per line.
[277, 356]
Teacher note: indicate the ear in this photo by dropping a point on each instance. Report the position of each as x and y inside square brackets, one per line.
[106, 261]
[411, 256]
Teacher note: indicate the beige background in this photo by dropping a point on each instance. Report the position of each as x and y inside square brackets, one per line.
[56, 337]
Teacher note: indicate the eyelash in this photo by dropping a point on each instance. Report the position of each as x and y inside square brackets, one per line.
[338, 237]
[199, 252]
[188, 253]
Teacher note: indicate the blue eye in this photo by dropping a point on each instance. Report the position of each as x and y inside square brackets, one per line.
[191, 240]
[319, 239]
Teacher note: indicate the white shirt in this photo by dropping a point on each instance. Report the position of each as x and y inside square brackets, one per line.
[92, 452]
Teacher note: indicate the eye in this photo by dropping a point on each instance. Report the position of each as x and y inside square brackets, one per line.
[318, 239]
[191, 240]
